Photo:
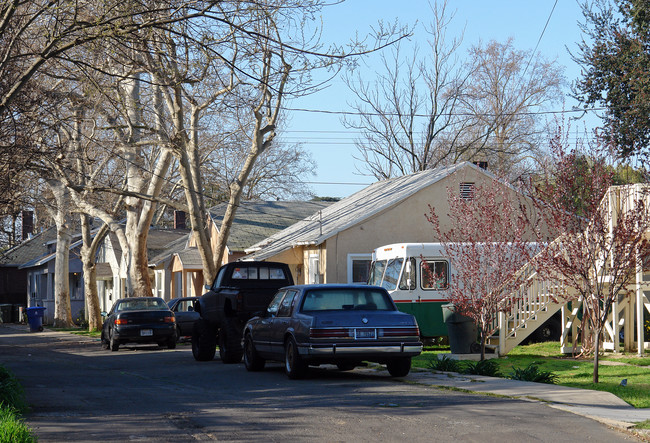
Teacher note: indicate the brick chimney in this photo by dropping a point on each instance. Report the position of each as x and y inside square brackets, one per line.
[28, 223]
[179, 220]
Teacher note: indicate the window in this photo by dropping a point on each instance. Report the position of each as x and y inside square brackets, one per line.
[346, 299]
[275, 303]
[434, 274]
[254, 273]
[359, 268]
[467, 190]
[314, 270]
[409, 275]
[392, 274]
[287, 304]
[377, 272]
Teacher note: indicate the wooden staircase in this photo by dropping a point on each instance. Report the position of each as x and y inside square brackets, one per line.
[537, 300]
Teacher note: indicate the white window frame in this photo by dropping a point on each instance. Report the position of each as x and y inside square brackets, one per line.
[355, 257]
[313, 271]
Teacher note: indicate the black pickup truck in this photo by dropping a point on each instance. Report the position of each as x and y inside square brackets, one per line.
[240, 290]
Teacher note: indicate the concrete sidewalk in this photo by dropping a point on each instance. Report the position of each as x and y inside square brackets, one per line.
[604, 407]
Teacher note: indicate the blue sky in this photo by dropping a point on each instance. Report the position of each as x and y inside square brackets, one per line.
[332, 146]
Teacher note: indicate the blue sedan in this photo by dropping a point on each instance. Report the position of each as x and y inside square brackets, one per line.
[344, 325]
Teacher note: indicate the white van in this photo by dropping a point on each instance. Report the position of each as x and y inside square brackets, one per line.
[417, 276]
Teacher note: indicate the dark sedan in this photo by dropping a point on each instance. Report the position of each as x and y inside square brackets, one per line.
[344, 325]
[139, 320]
[183, 309]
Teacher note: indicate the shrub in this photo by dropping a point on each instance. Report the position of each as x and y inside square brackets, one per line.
[532, 373]
[444, 364]
[489, 368]
[12, 429]
[11, 392]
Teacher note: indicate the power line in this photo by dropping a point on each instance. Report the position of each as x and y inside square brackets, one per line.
[540, 38]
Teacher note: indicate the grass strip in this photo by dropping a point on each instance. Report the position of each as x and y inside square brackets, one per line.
[576, 372]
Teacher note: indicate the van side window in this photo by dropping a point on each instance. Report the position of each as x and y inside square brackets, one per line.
[434, 274]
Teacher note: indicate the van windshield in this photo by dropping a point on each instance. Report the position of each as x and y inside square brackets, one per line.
[385, 273]
[376, 272]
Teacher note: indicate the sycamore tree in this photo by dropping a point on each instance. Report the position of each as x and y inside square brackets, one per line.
[601, 235]
[485, 237]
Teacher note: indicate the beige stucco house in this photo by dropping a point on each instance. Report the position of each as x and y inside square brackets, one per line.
[335, 245]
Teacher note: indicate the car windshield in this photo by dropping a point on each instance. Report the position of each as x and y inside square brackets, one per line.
[137, 304]
[346, 299]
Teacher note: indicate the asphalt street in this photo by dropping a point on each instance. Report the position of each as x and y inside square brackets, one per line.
[80, 392]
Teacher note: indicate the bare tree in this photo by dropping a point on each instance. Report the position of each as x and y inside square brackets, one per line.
[407, 115]
[428, 109]
[506, 90]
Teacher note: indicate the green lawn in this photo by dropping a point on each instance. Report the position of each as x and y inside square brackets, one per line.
[576, 372]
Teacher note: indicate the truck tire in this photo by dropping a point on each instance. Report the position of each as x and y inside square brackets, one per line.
[204, 341]
[230, 349]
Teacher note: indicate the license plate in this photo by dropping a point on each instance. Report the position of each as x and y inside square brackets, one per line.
[366, 333]
[146, 332]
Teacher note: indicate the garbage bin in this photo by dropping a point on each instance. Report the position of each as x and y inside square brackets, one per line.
[17, 313]
[35, 318]
[5, 313]
[461, 329]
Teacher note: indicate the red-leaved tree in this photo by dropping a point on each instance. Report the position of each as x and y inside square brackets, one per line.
[487, 242]
[601, 235]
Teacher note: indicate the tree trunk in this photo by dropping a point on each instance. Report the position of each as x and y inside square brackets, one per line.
[62, 309]
[596, 353]
[88, 251]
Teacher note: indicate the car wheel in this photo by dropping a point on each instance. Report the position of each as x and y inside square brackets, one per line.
[399, 367]
[114, 344]
[346, 366]
[204, 343]
[105, 344]
[252, 359]
[293, 364]
[230, 349]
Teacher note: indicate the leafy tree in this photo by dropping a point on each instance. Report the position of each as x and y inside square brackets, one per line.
[616, 71]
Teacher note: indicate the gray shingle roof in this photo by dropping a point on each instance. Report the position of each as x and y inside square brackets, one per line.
[255, 221]
[350, 211]
[31, 248]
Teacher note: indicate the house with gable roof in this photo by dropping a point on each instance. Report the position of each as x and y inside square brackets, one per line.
[179, 270]
[335, 245]
[14, 277]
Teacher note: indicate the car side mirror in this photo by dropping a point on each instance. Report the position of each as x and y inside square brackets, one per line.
[104, 314]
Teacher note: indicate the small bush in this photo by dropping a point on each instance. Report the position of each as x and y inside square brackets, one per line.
[532, 373]
[488, 368]
[12, 429]
[444, 364]
[11, 392]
